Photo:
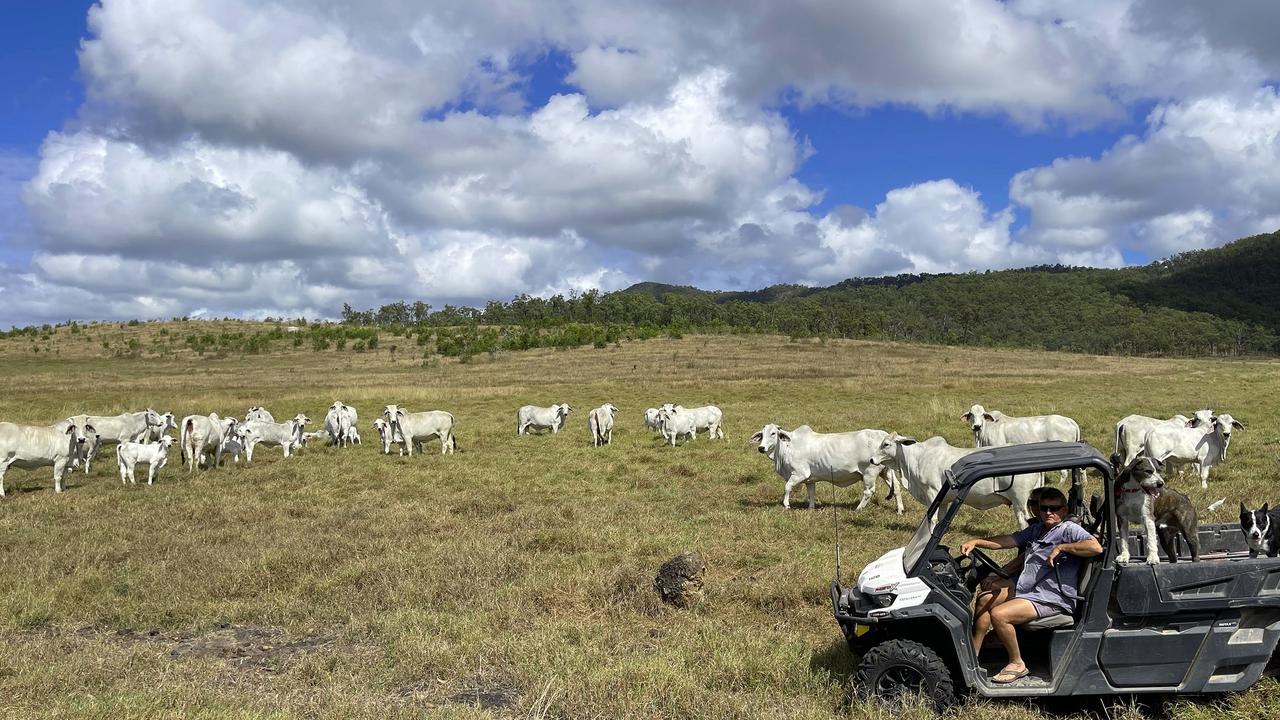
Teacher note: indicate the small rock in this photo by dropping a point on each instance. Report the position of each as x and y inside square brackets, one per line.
[679, 580]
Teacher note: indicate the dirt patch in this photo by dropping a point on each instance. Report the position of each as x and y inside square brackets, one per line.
[484, 693]
[245, 647]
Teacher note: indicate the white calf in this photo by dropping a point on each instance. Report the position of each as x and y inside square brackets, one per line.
[651, 420]
[155, 455]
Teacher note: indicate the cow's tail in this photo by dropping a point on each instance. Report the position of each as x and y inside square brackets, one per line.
[1120, 439]
[189, 444]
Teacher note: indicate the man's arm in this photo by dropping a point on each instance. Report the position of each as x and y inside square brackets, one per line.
[996, 542]
[1088, 547]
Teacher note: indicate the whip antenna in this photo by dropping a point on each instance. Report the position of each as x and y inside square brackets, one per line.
[835, 520]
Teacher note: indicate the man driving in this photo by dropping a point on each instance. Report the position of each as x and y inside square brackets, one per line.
[1047, 584]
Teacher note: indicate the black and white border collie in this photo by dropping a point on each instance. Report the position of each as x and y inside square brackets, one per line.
[1261, 529]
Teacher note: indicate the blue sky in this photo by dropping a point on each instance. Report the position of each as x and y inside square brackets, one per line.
[250, 159]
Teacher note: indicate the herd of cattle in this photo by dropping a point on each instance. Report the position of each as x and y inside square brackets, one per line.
[799, 456]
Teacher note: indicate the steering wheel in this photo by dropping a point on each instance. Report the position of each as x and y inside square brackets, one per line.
[977, 557]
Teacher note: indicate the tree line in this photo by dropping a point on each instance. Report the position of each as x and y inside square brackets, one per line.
[1210, 302]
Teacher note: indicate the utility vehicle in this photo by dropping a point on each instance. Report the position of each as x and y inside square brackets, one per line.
[1184, 627]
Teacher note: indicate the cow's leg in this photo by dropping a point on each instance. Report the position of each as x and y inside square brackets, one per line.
[812, 487]
[869, 480]
[786, 494]
[152, 468]
[124, 471]
[4, 467]
[1204, 476]
[894, 481]
[59, 471]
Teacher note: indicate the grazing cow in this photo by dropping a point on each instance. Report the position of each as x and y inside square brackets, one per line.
[26, 448]
[707, 417]
[534, 417]
[600, 421]
[805, 456]
[259, 413]
[285, 435]
[1178, 446]
[155, 455]
[115, 429]
[201, 435]
[923, 466]
[411, 429]
[651, 420]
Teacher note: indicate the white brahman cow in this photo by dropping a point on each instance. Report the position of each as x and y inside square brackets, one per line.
[651, 420]
[412, 429]
[338, 421]
[923, 465]
[287, 435]
[1177, 446]
[155, 455]
[259, 413]
[155, 432]
[842, 459]
[115, 429]
[201, 435]
[707, 417]
[26, 447]
[1133, 429]
[530, 417]
[600, 422]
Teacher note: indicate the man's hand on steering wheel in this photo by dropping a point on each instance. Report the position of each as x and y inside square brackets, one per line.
[977, 557]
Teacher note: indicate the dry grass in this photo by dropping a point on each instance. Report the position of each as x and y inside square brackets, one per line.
[512, 579]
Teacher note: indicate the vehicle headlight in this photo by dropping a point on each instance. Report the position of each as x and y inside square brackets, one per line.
[884, 600]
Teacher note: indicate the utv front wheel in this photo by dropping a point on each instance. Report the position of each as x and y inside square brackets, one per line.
[897, 669]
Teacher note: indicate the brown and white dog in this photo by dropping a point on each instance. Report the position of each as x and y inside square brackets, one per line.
[1143, 497]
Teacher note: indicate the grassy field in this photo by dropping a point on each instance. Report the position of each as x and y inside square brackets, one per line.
[515, 578]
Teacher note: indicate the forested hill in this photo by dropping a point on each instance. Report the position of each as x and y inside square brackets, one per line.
[1212, 302]
[1221, 301]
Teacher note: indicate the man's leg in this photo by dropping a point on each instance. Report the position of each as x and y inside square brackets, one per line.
[1004, 617]
[999, 592]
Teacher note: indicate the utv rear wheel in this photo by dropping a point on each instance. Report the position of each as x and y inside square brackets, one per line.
[896, 669]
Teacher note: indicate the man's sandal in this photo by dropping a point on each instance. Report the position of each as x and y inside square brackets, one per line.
[1007, 676]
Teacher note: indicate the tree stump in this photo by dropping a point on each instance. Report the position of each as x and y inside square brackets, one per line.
[679, 580]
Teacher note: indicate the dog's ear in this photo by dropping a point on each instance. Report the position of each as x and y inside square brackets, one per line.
[1115, 460]
[1243, 510]
[1265, 509]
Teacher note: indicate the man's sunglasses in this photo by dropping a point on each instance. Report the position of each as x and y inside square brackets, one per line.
[1051, 508]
